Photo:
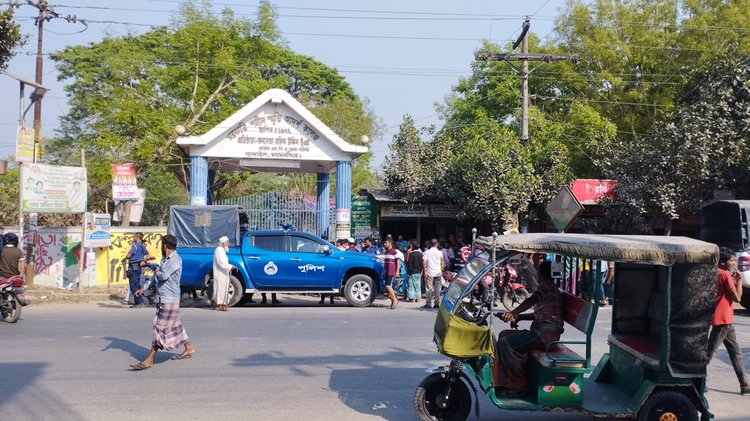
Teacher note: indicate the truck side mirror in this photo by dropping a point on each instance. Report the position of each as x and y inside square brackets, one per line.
[327, 249]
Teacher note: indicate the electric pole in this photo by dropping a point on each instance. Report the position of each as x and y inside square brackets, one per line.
[46, 14]
[525, 58]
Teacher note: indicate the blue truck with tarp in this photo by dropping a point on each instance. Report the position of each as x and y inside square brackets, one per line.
[268, 261]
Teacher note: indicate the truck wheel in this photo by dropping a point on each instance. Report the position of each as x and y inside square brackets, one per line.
[236, 291]
[359, 291]
[668, 405]
[431, 405]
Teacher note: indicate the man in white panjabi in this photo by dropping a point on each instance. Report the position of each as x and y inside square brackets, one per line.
[222, 269]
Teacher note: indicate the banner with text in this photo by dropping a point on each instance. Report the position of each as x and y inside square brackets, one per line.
[124, 186]
[53, 189]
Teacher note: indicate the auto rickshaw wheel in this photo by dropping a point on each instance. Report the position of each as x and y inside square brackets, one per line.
[431, 405]
[668, 405]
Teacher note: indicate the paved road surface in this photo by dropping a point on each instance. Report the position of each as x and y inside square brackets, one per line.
[298, 360]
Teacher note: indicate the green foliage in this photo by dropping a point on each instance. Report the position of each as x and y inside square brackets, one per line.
[700, 148]
[10, 37]
[127, 94]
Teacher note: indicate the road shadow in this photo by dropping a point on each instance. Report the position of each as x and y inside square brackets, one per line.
[136, 351]
[22, 398]
[387, 393]
[369, 384]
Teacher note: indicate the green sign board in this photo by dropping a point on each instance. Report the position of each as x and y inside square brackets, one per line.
[364, 214]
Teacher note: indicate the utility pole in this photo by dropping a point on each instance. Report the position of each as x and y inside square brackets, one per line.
[525, 58]
[46, 14]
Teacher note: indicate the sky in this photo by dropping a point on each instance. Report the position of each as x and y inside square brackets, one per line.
[401, 56]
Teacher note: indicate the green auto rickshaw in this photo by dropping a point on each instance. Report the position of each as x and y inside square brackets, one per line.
[655, 369]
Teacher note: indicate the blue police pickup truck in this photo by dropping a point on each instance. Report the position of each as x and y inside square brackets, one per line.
[283, 261]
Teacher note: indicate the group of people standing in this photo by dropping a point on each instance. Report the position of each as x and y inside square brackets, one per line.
[406, 267]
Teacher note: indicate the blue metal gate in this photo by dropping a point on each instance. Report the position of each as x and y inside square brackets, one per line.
[268, 211]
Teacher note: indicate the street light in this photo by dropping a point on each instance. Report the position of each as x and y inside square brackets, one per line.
[36, 96]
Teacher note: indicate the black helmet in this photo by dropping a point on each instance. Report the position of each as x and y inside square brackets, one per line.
[10, 238]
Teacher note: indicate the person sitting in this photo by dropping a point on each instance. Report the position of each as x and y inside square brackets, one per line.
[11, 260]
[513, 346]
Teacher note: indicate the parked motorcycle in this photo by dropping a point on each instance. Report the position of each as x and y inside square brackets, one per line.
[12, 299]
[509, 290]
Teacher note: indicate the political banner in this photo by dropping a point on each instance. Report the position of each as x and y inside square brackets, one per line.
[124, 186]
[53, 189]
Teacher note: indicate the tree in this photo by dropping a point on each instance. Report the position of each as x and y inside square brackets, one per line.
[10, 37]
[409, 171]
[127, 93]
[701, 148]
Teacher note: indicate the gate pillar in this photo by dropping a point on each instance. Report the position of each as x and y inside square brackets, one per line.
[324, 192]
[343, 199]
[198, 180]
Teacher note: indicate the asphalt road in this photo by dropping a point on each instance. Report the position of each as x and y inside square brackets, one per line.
[298, 360]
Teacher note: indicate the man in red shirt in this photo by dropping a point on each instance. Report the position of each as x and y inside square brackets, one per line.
[722, 330]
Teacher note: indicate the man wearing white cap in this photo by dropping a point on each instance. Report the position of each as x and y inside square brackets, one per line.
[352, 244]
[222, 268]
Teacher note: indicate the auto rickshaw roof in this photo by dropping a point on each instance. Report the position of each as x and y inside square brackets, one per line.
[650, 249]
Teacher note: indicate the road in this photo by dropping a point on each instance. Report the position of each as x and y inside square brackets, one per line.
[298, 360]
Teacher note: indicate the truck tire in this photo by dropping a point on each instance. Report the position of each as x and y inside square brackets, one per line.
[236, 291]
[359, 291]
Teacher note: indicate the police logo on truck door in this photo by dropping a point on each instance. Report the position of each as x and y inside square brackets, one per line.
[270, 269]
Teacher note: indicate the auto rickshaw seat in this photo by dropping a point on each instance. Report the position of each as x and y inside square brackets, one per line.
[579, 314]
[647, 345]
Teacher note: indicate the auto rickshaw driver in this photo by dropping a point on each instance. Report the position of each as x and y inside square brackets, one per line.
[513, 346]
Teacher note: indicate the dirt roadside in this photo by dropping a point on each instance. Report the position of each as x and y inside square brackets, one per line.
[48, 295]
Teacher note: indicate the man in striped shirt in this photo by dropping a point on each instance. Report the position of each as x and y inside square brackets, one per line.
[390, 268]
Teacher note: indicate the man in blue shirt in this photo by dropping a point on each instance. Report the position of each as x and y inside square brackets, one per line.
[136, 259]
[168, 330]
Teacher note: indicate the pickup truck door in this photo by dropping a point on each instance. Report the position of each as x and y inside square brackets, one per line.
[264, 257]
[310, 265]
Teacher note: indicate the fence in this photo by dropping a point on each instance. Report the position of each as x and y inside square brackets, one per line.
[266, 211]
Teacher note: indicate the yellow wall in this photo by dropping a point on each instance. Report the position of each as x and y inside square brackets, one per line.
[109, 267]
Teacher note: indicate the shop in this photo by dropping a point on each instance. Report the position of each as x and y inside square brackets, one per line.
[414, 221]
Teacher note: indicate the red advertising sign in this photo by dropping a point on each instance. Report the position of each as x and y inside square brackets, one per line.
[588, 192]
[124, 185]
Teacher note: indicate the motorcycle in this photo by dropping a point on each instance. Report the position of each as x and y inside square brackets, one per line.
[508, 290]
[12, 299]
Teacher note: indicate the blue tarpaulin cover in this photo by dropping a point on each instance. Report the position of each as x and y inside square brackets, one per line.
[202, 226]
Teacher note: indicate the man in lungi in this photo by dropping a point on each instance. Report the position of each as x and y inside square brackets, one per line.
[513, 346]
[168, 330]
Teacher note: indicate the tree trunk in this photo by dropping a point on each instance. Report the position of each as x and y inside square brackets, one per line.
[126, 206]
[668, 226]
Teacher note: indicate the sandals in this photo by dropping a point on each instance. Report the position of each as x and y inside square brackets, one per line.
[182, 356]
[139, 367]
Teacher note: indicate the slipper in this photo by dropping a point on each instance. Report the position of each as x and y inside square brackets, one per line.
[139, 367]
[182, 356]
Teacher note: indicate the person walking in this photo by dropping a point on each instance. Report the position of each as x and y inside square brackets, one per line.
[414, 268]
[722, 327]
[222, 270]
[390, 268]
[433, 269]
[136, 259]
[167, 327]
